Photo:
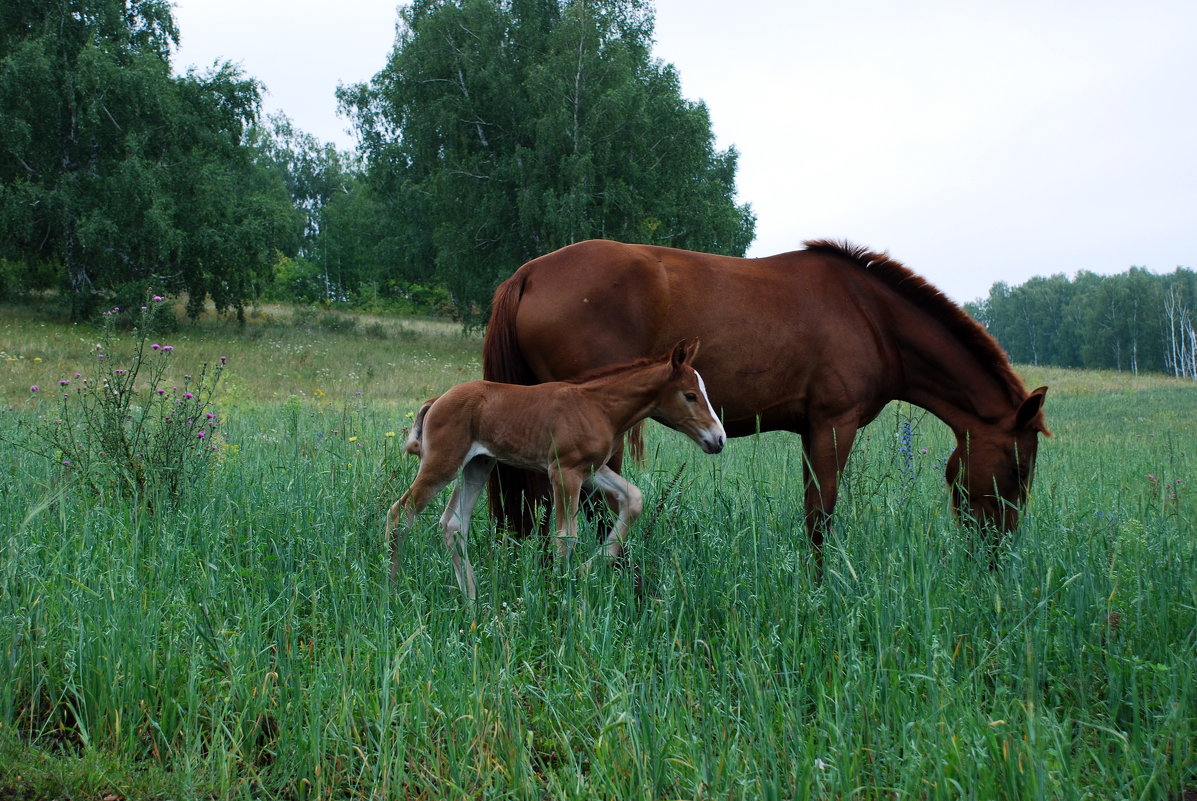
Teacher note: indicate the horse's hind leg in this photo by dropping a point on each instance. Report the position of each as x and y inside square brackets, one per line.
[628, 504]
[455, 522]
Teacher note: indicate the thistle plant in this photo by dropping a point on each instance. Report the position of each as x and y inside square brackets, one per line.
[124, 427]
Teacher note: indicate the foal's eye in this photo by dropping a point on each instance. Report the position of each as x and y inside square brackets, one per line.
[690, 396]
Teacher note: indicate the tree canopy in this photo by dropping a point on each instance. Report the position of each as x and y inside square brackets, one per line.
[114, 172]
[502, 129]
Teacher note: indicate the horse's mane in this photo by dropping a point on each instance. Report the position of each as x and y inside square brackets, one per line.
[916, 290]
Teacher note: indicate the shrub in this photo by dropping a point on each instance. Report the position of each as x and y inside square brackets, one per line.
[336, 323]
[109, 432]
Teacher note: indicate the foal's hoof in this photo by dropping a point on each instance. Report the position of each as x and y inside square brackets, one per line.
[610, 557]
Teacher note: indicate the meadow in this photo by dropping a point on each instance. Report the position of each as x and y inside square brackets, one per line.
[243, 640]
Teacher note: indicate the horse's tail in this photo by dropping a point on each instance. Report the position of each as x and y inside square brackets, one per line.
[502, 359]
[416, 438]
[513, 492]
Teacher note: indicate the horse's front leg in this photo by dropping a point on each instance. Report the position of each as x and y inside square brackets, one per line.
[567, 486]
[825, 448]
[626, 501]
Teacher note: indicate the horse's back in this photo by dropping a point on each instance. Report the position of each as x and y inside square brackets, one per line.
[774, 331]
[609, 290]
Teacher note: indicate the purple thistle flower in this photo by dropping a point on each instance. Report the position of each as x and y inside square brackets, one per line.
[168, 348]
[188, 396]
[157, 298]
[155, 346]
[63, 382]
[224, 358]
[35, 388]
[200, 435]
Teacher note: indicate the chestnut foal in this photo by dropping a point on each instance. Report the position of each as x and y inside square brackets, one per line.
[566, 429]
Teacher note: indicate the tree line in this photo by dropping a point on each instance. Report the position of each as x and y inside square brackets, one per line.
[1136, 321]
[496, 130]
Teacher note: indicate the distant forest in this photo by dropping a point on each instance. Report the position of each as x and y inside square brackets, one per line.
[1135, 321]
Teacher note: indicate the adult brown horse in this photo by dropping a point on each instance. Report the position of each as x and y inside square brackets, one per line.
[816, 341]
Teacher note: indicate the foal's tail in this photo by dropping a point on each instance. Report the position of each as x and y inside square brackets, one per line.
[513, 492]
[416, 438]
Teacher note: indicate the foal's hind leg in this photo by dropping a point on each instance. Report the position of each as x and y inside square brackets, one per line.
[430, 480]
[628, 502]
[455, 522]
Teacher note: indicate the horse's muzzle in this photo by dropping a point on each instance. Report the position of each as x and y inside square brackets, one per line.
[712, 443]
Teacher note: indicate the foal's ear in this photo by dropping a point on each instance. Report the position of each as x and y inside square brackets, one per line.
[683, 353]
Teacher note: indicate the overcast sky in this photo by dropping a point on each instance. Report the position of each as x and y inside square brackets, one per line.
[975, 141]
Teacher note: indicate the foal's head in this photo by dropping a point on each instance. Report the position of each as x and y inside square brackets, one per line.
[990, 472]
[682, 402]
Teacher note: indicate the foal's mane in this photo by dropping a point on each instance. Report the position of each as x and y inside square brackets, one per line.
[612, 369]
[979, 342]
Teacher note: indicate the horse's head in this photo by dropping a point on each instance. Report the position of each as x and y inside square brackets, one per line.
[682, 402]
[990, 471]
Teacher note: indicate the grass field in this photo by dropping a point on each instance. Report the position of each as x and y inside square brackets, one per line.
[243, 642]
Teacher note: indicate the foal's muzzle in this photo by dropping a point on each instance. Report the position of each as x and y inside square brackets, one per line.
[712, 441]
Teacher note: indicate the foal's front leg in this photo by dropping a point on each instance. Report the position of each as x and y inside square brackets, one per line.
[628, 504]
[567, 486]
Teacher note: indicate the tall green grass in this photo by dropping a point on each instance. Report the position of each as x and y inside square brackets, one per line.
[245, 642]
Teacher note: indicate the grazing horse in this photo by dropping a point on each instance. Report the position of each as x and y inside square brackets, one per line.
[566, 430]
[816, 342]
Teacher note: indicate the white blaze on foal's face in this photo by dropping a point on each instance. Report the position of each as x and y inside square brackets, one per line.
[689, 410]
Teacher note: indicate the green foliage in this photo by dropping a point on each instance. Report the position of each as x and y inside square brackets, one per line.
[501, 131]
[116, 171]
[1136, 321]
[122, 430]
[248, 643]
[295, 280]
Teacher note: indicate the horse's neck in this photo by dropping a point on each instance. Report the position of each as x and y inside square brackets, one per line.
[627, 397]
[948, 380]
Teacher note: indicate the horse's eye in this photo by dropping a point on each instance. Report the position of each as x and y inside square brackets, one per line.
[690, 396]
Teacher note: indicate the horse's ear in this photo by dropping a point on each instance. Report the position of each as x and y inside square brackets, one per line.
[1029, 411]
